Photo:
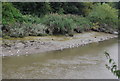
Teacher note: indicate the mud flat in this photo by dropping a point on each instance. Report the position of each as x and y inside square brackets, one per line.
[34, 45]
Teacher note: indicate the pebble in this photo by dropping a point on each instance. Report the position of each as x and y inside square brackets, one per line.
[3, 55]
[19, 45]
[18, 51]
[9, 51]
[71, 44]
[32, 41]
[37, 48]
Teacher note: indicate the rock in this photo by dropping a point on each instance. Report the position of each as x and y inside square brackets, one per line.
[89, 40]
[31, 44]
[97, 30]
[32, 41]
[66, 35]
[78, 30]
[116, 33]
[101, 39]
[25, 46]
[102, 29]
[7, 44]
[19, 45]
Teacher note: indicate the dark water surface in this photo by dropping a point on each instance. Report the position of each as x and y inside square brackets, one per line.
[86, 62]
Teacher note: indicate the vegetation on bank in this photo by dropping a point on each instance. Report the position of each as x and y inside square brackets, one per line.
[51, 18]
[104, 14]
[112, 66]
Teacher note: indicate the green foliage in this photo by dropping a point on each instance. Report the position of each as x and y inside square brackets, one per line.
[57, 7]
[17, 30]
[24, 19]
[33, 8]
[24, 29]
[9, 13]
[17, 25]
[87, 8]
[42, 8]
[103, 13]
[58, 24]
[36, 29]
[30, 19]
[66, 23]
[112, 65]
[0, 12]
[0, 19]
[113, 4]
[81, 23]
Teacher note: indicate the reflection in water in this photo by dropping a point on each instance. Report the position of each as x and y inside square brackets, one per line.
[87, 62]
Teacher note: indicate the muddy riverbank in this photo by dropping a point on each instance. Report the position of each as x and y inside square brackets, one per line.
[34, 45]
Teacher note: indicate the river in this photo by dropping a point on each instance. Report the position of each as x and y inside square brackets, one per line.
[85, 62]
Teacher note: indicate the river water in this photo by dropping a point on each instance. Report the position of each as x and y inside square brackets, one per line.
[86, 62]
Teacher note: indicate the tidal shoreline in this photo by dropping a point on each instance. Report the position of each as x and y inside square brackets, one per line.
[37, 45]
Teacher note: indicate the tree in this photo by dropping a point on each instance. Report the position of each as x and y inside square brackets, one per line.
[9, 13]
[34, 8]
[103, 13]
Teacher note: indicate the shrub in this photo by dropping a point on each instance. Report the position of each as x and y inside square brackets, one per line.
[82, 23]
[36, 29]
[63, 24]
[10, 15]
[24, 29]
[15, 30]
[104, 14]
[30, 19]
[58, 24]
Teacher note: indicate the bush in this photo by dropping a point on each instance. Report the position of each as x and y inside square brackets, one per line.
[10, 15]
[14, 30]
[104, 14]
[62, 24]
[58, 24]
[17, 25]
[24, 29]
[30, 19]
[36, 29]
[82, 23]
